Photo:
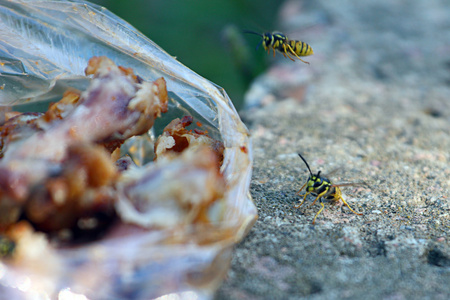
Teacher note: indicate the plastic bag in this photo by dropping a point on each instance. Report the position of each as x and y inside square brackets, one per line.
[44, 49]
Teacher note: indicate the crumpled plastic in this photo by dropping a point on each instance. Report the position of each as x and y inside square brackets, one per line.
[44, 49]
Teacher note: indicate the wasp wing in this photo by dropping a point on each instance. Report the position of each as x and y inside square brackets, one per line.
[358, 183]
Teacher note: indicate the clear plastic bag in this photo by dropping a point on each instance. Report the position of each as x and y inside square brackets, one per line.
[44, 49]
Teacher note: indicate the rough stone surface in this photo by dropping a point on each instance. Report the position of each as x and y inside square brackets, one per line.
[374, 102]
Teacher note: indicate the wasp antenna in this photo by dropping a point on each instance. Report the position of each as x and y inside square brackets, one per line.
[253, 32]
[304, 160]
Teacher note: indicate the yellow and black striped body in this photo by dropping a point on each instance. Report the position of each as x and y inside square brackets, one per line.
[317, 185]
[322, 187]
[300, 48]
[280, 42]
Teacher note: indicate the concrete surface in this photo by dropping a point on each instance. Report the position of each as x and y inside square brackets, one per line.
[373, 102]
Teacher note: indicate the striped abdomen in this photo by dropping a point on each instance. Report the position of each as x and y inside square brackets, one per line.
[300, 48]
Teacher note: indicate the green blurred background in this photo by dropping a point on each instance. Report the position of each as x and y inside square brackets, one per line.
[206, 35]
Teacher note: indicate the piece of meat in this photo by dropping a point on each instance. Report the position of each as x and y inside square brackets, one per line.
[124, 163]
[82, 189]
[31, 251]
[176, 138]
[170, 192]
[62, 108]
[116, 106]
[18, 126]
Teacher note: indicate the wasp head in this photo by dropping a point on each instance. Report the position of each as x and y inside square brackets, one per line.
[313, 180]
[267, 40]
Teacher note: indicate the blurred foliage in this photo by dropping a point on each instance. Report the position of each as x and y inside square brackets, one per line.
[205, 35]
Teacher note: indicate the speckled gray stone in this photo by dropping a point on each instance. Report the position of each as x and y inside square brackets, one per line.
[374, 102]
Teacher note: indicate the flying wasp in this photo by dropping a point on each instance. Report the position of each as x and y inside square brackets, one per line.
[280, 42]
[322, 187]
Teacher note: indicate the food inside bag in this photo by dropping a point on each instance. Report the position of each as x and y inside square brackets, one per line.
[132, 181]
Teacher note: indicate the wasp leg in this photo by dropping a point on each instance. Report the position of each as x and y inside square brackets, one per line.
[268, 51]
[323, 206]
[298, 193]
[295, 54]
[345, 202]
[304, 198]
[319, 196]
[290, 57]
[285, 51]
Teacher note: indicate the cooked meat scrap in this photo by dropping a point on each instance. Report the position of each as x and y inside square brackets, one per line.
[22, 125]
[124, 163]
[82, 189]
[116, 106]
[172, 191]
[33, 252]
[176, 138]
[18, 126]
[148, 102]
[63, 107]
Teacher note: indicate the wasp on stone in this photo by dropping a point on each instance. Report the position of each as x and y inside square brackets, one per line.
[322, 187]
